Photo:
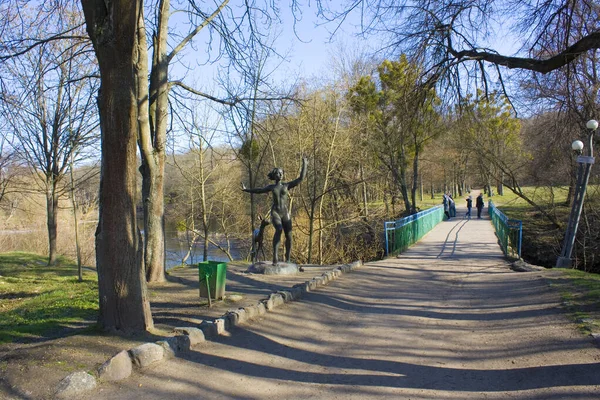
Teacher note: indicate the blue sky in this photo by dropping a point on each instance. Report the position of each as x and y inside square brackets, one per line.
[312, 43]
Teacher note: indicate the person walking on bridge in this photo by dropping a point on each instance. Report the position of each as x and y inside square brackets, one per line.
[446, 202]
[469, 206]
[452, 206]
[479, 205]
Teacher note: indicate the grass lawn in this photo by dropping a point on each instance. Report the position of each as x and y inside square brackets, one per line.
[428, 202]
[581, 296]
[40, 301]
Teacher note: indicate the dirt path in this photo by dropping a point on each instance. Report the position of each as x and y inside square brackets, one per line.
[446, 320]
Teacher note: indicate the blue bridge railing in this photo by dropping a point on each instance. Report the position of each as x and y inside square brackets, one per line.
[509, 231]
[401, 234]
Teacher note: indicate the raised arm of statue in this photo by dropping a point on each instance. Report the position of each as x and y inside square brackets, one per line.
[299, 179]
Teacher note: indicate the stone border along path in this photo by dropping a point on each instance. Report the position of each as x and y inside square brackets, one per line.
[121, 365]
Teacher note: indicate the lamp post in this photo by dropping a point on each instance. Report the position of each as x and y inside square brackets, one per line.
[583, 175]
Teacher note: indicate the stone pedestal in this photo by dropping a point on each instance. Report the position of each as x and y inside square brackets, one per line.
[267, 268]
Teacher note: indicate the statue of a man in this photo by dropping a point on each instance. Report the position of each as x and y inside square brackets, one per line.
[280, 215]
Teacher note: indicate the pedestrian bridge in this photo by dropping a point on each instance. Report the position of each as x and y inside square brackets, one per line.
[458, 233]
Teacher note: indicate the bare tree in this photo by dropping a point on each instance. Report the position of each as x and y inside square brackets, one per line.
[8, 172]
[455, 39]
[50, 99]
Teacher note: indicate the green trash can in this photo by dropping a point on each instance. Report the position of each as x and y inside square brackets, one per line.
[217, 273]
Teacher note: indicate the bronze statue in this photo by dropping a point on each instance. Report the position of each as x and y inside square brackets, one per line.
[280, 216]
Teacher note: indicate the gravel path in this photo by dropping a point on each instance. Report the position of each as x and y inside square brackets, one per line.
[446, 320]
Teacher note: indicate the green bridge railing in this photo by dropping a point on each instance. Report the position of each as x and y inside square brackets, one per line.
[401, 234]
[509, 231]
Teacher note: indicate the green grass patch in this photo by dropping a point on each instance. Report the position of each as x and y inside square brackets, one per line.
[428, 202]
[543, 195]
[580, 292]
[39, 301]
[590, 283]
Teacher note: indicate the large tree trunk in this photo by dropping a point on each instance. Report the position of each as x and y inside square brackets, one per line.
[403, 180]
[415, 182]
[124, 304]
[153, 103]
[311, 229]
[500, 185]
[75, 222]
[364, 192]
[204, 205]
[154, 224]
[51, 219]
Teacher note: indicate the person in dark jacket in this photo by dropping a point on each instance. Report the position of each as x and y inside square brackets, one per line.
[446, 202]
[452, 206]
[479, 204]
[469, 206]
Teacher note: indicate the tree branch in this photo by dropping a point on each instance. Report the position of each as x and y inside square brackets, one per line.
[189, 37]
[39, 42]
[589, 42]
[236, 100]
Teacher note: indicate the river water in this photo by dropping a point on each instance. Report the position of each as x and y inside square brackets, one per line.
[176, 247]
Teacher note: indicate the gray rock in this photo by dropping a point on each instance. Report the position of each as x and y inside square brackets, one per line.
[251, 312]
[195, 335]
[146, 354]
[267, 268]
[296, 293]
[277, 299]
[260, 306]
[232, 318]
[304, 287]
[596, 338]
[74, 385]
[286, 295]
[208, 328]
[282, 269]
[116, 368]
[268, 304]
[242, 315]
[169, 347]
[522, 266]
[220, 324]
